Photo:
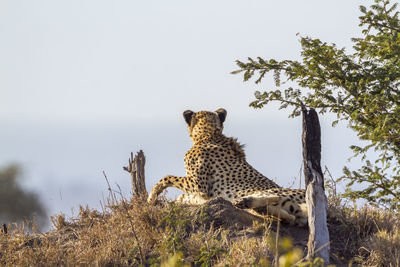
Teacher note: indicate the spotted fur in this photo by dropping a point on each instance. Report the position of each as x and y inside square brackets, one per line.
[216, 166]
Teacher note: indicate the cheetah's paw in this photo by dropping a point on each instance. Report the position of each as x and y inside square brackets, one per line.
[244, 203]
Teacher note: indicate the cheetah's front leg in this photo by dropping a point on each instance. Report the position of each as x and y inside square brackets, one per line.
[182, 183]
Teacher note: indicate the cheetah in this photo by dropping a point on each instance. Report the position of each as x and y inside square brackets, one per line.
[216, 166]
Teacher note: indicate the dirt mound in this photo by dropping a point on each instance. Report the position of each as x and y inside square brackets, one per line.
[222, 214]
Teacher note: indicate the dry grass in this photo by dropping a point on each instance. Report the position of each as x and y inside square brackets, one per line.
[368, 236]
[130, 233]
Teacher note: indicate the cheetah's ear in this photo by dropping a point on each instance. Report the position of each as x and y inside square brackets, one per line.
[221, 114]
[187, 114]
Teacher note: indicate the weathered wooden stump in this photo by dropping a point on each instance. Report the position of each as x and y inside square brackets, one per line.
[318, 240]
[136, 170]
[4, 230]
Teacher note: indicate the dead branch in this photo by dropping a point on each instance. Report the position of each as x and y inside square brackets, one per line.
[318, 240]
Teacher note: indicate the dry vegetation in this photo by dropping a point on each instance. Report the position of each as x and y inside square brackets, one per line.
[133, 233]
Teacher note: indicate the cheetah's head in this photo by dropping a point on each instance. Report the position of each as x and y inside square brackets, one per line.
[204, 123]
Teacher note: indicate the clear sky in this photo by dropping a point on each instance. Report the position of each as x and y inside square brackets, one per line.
[83, 83]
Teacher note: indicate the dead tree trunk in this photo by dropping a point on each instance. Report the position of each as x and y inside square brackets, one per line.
[136, 170]
[318, 240]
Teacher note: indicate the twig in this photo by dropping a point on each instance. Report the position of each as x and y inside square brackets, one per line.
[277, 242]
[109, 188]
[332, 180]
[285, 101]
